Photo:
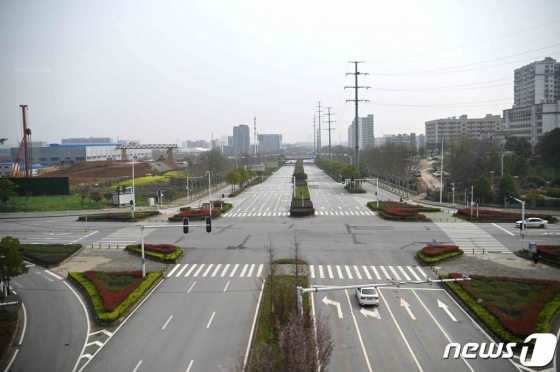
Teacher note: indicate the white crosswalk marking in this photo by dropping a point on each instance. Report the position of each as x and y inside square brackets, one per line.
[207, 270]
[190, 270]
[346, 272]
[216, 270]
[471, 238]
[367, 272]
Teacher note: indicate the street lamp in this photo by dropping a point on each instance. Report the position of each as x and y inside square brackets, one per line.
[492, 179]
[349, 157]
[209, 192]
[133, 191]
[453, 189]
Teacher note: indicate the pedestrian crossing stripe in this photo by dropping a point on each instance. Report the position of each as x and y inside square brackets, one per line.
[351, 272]
[286, 213]
[471, 238]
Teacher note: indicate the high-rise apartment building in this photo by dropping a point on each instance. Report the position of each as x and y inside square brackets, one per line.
[365, 133]
[453, 127]
[269, 143]
[241, 139]
[536, 101]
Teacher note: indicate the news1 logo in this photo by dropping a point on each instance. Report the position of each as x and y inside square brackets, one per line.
[543, 351]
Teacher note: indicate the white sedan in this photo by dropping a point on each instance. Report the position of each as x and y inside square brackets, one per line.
[367, 296]
[533, 222]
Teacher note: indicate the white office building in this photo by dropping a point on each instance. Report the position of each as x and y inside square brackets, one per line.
[365, 133]
[451, 128]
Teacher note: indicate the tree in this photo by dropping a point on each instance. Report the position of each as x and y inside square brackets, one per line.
[483, 189]
[549, 147]
[95, 196]
[519, 145]
[7, 190]
[11, 261]
[233, 178]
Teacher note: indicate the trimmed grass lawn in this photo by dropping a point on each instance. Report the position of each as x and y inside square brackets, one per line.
[44, 203]
[49, 255]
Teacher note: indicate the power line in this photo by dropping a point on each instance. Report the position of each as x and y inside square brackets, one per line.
[437, 90]
[475, 63]
[471, 69]
[467, 45]
[442, 104]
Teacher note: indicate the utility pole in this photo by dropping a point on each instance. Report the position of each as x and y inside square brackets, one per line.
[314, 135]
[356, 100]
[319, 132]
[329, 115]
[255, 133]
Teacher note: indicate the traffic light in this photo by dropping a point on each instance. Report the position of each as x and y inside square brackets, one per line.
[185, 225]
[208, 224]
[376, 193]
[352, 180]
[343, 180]
[521, 225]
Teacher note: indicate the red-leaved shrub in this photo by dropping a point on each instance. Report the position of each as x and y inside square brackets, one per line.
[436, 250]
[110, 286]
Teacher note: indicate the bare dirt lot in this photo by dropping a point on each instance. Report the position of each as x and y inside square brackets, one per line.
[98, 171]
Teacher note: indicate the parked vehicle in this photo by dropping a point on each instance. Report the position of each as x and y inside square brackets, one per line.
[533, 222]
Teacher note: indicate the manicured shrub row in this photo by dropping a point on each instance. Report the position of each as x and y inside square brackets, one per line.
[436, 250]
[493, 215]
[553, 193]
[535, 317]
[124, 216]
[419, 208]
[430, 260]
[49, 255]
[185, 208]
[107, 317]
[549, 252]
[163, 252]
[201, 214]
[408, 214]
[299, 190]
[299, 210]
[114, 287]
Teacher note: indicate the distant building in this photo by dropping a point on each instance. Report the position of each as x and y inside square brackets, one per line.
[453, 127]
[87, 140]
[365, 133]
[408, 140]
[536, 101]
[195, 144]
[269, 143]
[241, 139]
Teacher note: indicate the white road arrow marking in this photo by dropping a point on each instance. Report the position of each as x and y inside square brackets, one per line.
[446, 308]
[335, 303]
[407, 307]
[373, 314]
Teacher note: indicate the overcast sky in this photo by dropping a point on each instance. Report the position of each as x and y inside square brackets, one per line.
[170, 71]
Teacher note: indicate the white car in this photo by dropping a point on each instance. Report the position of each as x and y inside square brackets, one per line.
[533, 222]
[367, 296]
[437, 174]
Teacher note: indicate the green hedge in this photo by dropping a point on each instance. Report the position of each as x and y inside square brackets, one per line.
[225, 207]
[104, 317]
[306, 194]
[373, 206]
[49, 255]
[391, 217]
[553, 192]
[442, 257]
[163, 257]
[119, 217]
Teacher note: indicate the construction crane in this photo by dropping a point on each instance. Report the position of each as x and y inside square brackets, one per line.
[23, 149]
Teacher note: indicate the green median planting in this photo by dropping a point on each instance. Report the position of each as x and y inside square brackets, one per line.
[167, 253]
[119, 216]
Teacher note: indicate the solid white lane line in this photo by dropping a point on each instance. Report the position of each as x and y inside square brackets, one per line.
[234, 270]
[251, 271]
[190, 365]
[376, 273]
[358, 331]
[501, 228]
[199, 269]
[259, 271]
[440, 327]
[225, 289]
[357, 272]
[173, 270]
[243, 271]
[189, 291]
[216, 270]
[225, 270]
[321, 273]
[53, 274]
[348, 272]
[253, 327]
[138, 365]
[190, 270]
[401, 332]
[396, 275]
[312, 271]
[331, 276]
[207, 270]
[165, 325]
[210, 321]
[367, 272]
